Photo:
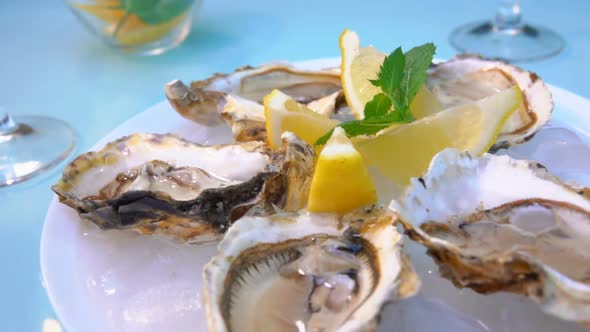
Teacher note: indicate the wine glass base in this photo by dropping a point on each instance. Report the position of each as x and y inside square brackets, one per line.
[525, 43]
[36, 146]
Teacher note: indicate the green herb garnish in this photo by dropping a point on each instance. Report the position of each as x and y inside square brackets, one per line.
[400, 77]
[152, 11]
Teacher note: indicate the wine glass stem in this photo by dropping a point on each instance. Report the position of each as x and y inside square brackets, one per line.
[508, 16]
[7, 125]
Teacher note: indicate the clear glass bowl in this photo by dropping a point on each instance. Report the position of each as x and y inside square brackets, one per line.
[140, 26]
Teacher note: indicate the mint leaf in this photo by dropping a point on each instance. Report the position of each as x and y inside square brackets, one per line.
[391, 72]
[379, 105]
[156, 11]
[356, 128]
[400, 77]
[402, 115]
[368, 126]
[418, 60]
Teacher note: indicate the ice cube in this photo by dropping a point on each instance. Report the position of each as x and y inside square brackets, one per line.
[142, 283]
[560, 150]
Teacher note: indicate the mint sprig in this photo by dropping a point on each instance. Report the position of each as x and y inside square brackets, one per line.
[151, 11]
[400, 77]
[391, 73]
[418, 60]
[378, 106]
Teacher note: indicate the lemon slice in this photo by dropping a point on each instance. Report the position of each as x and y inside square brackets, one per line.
[340, 182]
[358, 66]
[282, 114]
[107, 12]
[404, 151]
[425, 104]
[134, 32]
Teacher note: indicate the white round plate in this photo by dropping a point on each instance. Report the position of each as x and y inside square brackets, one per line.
[120, 281]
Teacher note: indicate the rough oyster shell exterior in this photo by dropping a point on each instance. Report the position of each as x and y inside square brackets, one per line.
[219, 184]
[206, 101]
[498, 224]
[537, 104]
[368, 236]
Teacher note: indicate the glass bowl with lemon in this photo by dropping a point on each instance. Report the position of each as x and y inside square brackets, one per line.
[139, 26]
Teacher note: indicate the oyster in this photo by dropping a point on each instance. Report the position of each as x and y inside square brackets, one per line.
[498, 224]
[247, 119]
[163, 184]
[330, 104]
[306, 272]
[467, 78]
[205, 101]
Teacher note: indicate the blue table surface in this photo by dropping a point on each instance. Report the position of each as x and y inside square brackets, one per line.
[49, 64]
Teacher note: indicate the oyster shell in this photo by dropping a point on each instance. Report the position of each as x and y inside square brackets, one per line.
[329, 104]
[467, 78]
[164, 184]
[306, 272]
[247, 121]
[498, 224]
[203, 101]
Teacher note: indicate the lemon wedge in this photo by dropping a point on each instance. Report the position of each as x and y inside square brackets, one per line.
[359, 65]
[128, 28]
[340, 182]
[404, 151]
[134, 32]
[425, 104]
[282, 113]
[107, 12]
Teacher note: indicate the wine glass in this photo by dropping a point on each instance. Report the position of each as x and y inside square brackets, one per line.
[507, 37]
[30, 145]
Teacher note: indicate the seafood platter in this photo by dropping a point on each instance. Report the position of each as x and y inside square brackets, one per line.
[340, 195]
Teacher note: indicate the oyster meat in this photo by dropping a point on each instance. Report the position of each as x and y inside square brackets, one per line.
[306, 272]
[498, 224]
[467, 78]
[237, 97]
[164, 184]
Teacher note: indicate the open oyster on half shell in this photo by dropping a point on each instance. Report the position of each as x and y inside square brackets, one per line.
[498, 224]
[164, 184]
[237, 97]
[306, 272]
[467, 78]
